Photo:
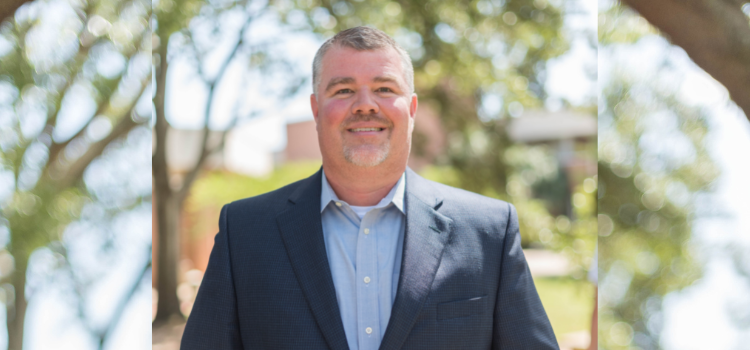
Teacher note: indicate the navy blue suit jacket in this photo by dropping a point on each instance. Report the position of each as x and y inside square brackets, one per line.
[464, 281]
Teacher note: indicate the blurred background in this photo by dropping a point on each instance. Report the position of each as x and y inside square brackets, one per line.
[75, 194]
[507, 92]
[674, 230]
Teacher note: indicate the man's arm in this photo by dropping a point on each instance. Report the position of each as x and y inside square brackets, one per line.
[520, 320]
[213, 322]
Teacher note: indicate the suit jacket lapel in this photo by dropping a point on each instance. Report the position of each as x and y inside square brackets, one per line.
[425, 236]
[302, 232]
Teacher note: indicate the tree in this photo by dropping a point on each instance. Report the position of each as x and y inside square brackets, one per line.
[715, 34]
[95, 77]
[191, 37]
[652, 164]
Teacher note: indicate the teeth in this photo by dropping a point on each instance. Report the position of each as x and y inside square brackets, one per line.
[365, 129]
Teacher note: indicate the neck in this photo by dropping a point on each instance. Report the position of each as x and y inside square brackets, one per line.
[362, 186]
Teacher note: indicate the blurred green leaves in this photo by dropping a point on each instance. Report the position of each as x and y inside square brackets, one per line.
[71, 76]
[464, 53]
[478, 64]
[652, 165]
[215, 189]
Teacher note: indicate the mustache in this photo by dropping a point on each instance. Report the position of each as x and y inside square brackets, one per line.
[358, 118]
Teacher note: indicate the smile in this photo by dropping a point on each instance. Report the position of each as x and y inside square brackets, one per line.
[365, 129]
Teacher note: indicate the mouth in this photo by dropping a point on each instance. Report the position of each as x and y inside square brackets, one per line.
[365, 129]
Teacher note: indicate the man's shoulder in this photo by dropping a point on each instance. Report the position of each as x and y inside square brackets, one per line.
[472, 212]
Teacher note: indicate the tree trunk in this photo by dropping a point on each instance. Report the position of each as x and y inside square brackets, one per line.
[17, 313]
[715, 34]
[8, 7]
[167, 206]
[168, 212]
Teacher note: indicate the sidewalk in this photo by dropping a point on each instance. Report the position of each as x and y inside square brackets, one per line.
[167, 337]
[546, 263]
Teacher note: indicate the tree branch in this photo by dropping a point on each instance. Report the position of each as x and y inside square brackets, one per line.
[715, 34]
[57, 147]
[193, 173]
[79, 59]
[8, 8]
[75, 171]
[159, 167]
[126, 123]
[123, 304]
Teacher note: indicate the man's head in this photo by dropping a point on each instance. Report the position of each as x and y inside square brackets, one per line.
[363, 100]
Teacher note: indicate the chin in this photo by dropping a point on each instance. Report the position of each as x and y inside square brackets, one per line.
[366, 157]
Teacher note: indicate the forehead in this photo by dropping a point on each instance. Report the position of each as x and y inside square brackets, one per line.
[348, 62]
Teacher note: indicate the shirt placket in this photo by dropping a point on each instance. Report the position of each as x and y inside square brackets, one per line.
[367, 284]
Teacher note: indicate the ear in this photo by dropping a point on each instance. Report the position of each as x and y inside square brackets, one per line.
[413, 106]
[314, 106]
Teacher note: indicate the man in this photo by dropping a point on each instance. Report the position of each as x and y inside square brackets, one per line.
[365, 254]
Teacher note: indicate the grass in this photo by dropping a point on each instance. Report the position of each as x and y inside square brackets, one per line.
[568, 303]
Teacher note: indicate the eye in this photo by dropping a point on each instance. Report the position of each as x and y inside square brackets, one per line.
[344, 91]
[384, 89]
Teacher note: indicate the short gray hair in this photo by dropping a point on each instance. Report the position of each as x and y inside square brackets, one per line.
[363, 39]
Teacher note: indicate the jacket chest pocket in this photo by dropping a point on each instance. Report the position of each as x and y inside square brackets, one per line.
[461, 308]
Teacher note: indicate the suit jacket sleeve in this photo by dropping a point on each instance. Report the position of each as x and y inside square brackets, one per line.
[213, 322]
[520, 320]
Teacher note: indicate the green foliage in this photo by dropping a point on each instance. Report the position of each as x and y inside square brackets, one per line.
[57, 74]
[33, 84]
[652, 163]
[218, 188]
[568, 304]
[215, 189]
[528, 166]
[462, 53]
[174, 15]
[621, 25]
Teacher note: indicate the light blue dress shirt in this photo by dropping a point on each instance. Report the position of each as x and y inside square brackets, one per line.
[365, 259]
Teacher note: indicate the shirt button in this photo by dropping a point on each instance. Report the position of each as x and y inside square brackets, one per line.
[338, 204]
[367, 279]
[367, 231]
[368, 330]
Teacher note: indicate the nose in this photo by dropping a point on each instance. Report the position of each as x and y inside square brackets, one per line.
[365, 103]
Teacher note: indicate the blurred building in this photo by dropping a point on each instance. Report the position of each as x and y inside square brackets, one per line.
[572, 135]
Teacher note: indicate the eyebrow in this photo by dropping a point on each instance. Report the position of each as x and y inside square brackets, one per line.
[337, 81]
[386, 79]
[350, 80]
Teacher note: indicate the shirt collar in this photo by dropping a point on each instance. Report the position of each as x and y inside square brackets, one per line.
[395, 196]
